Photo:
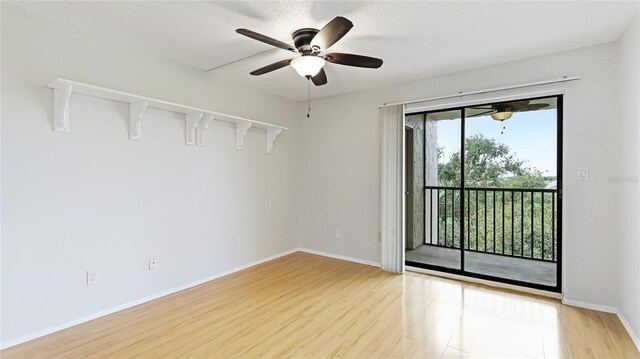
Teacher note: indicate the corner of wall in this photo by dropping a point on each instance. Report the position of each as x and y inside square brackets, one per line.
[627, 179]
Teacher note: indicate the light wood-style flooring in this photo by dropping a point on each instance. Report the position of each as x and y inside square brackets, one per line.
[303, 305]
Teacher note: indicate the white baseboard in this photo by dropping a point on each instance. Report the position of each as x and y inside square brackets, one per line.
[627, 326]
[337, 256]
[607, 309]
[133, 303]
[598, 307]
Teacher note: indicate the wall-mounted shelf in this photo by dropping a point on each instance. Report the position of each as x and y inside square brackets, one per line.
[196, 120]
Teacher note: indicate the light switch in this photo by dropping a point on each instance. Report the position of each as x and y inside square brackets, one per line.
[583, 174]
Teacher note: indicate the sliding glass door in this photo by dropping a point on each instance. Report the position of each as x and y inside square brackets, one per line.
[492, 185]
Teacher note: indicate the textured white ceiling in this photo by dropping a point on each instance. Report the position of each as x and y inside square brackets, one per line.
[415, 39]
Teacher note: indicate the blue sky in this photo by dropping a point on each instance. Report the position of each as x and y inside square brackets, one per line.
[530, 135]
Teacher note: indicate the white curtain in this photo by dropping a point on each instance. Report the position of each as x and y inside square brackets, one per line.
[391, 188]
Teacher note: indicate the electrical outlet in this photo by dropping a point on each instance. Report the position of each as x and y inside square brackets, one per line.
[93, 277]
[153, 263]
[338, 234]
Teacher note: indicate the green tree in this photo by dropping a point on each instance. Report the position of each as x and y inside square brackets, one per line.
[489, 163]
[491, 215]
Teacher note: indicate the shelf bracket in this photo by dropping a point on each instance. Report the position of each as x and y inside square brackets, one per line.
[61, 95]
[191, 122]
[241, 132]
[203, 125]
[136, 109]
[272, 134]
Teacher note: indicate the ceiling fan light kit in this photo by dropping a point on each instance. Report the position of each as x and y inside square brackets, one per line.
[307, 66]
[309, 43]
[502, 116]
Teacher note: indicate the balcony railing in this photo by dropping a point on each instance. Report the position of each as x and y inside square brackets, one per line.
[505, 221]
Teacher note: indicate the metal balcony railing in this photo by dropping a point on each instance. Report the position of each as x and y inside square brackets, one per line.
[506, 221]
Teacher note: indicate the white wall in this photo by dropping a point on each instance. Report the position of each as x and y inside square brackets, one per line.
[94, 199]
[339, 186]
[626, 179]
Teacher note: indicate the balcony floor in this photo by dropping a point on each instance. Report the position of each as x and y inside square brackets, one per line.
[525, 270]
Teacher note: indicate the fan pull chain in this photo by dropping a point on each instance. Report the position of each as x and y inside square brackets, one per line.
[308, 98]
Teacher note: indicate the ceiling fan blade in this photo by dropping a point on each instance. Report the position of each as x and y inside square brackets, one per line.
[537, 106]
[518, 106]
[353, 60]
[523, 106]
[320, 78]
[274, 66]
[266, 39]
[331, 33]
[483, 113]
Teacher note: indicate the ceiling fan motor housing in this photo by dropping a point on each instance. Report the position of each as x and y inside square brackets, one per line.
[302, 40]
[502, 107]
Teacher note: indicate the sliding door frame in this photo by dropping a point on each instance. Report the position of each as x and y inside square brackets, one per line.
[559, 95]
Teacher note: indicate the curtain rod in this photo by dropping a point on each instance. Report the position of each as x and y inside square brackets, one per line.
[494, 89]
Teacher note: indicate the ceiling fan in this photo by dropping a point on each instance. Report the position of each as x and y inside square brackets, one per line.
[308, 44]
[504, 111]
